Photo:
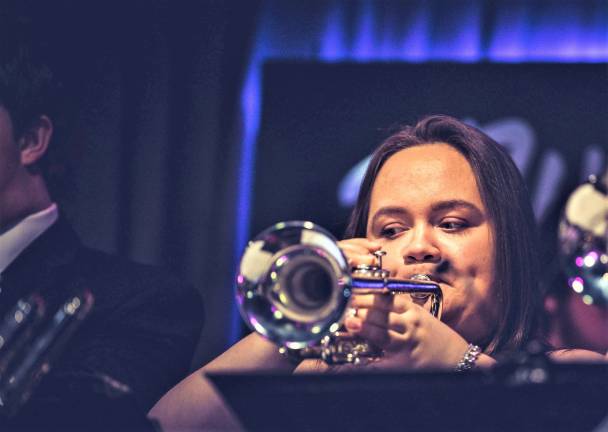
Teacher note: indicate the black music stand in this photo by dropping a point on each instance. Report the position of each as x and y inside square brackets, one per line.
[569, 398]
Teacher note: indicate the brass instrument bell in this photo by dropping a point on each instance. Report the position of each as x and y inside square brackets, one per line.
[583, 240]
[294, 285]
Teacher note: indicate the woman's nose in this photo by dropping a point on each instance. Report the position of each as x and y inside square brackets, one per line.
[420, 247]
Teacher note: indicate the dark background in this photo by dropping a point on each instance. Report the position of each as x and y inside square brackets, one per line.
[319, 120]
[162, 106]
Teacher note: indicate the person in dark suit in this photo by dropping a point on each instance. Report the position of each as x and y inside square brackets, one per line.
[140, 335]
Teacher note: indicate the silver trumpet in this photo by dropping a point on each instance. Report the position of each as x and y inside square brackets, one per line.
[583, 240]
[31, 340]
[294, 285]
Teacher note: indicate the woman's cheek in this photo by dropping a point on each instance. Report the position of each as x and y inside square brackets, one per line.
[464, 256]
[392, 261]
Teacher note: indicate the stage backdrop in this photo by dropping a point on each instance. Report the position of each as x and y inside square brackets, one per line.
[321, 121]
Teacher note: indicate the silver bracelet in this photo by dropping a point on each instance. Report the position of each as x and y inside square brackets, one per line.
[469, 358]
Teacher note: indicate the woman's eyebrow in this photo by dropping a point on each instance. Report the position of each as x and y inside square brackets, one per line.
[393, 211]
[455, 204]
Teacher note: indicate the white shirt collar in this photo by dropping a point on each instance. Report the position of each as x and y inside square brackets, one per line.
[15, 240]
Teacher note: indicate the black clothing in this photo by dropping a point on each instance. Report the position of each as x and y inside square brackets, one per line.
[144, 324]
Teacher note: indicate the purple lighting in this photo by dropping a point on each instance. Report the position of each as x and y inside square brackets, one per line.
[364, 41]
[564, 32]
[332, 45]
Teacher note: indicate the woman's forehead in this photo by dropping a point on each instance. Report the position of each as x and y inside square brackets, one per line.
[424, 175]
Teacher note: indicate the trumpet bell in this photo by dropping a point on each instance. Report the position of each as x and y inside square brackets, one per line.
[293, 284]
[583, 240]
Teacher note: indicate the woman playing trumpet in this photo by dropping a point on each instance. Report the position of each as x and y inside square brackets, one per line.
[444, 200]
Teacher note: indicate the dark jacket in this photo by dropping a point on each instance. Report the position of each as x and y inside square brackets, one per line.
[144, 325]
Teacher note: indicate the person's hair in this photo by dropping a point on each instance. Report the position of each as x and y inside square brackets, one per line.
[505, 197]
[26, 82]
[25, 89]
[28, 87]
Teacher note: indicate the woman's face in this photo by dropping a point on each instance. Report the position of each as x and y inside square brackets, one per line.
[427, 213]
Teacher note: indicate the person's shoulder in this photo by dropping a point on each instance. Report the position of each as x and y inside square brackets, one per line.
[117, 280]
[578, 356]
[64, 252]
[95, 261]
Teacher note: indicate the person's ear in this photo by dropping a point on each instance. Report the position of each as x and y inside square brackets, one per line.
[35, 141]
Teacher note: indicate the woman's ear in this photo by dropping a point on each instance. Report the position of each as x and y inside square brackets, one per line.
[35, 141]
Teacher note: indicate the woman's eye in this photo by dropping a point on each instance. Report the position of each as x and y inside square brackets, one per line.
[453, 225]
[390, 231]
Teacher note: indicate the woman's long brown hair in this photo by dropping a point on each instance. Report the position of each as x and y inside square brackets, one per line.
[505, 197]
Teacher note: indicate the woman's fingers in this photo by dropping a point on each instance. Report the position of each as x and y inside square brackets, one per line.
[359, 251]
[388, 302]
[377, 318]
[370, 245]
[375, 334]
[386, 336]
[385, 320]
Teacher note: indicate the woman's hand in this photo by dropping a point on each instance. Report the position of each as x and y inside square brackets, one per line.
[410, 336]
[359, 251]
